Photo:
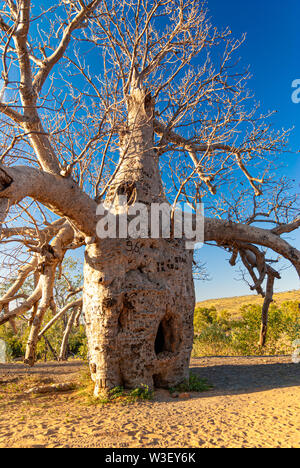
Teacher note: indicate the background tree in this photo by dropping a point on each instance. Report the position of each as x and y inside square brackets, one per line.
[102, 99]
[59, 335]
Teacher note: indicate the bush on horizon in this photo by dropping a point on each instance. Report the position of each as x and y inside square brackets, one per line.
[218, 334]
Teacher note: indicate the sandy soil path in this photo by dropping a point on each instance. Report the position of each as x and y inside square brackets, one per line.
[255, 403]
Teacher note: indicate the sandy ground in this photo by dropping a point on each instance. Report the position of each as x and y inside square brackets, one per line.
[255, 403]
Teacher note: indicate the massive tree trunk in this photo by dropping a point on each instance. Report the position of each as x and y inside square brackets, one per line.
[139, 313]
[138, 294]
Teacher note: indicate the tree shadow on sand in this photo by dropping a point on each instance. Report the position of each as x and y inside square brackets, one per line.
[243, 378]
[226, 379]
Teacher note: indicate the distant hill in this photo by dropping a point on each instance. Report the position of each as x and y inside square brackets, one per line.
[233, 304]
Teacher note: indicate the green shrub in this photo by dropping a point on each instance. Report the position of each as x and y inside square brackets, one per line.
[78, 342]
[192, 384]
[218, 334]
[14, 343]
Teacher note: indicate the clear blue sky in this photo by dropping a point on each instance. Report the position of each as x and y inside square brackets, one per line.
[273, 53]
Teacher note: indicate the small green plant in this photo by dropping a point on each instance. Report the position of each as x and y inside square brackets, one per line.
[141, 393]
[125, 397]
[116, 394]
[192, 384]
[120, 395]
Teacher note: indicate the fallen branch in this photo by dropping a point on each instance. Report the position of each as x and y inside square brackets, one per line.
[61, 387]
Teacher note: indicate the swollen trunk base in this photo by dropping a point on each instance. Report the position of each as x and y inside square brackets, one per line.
[138, 304]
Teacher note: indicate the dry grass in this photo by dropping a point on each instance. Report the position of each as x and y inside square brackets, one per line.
[233, 304]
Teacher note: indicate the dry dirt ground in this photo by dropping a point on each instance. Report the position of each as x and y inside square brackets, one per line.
[255, 402]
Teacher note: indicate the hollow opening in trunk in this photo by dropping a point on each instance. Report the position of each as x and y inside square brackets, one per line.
[127, 190]
[159, 345]
[166, 337]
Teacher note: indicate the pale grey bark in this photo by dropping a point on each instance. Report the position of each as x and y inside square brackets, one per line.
[49, 259]
[138, 295]
[65, 340]
[225, 232]
[61, 313]
[127, 297]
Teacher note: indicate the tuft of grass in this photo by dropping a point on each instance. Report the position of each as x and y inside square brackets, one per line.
[192, 384]
[141, 393]
[85, 388]
[120, 395]
[115, 395]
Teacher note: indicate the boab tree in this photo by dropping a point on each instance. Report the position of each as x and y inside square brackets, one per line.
[102, 99]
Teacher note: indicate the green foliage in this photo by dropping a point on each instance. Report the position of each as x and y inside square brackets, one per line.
[123, 396]
[78, 342]
[16, 344]
[115, 395]
[192, 384]
[220, 334]
[204, 316]
[141, 393]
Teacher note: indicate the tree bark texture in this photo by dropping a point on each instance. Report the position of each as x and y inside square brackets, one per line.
[138, 294]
